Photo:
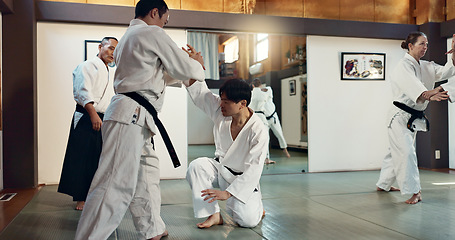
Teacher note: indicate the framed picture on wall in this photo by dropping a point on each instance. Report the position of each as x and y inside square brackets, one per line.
[91, 49]
[362, 66]
[292, 87]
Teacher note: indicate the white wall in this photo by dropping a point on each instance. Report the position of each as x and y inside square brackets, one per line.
[347, 119]
[200, 127]
[291, 112]
[60, 48]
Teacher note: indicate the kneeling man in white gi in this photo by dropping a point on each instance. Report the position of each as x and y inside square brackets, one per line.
[241, 141]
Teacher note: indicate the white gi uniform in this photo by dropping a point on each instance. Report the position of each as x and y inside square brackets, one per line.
[274, 121]
[128, 174]
[91, 84]
[245, 155]
[409, 80]
[262, 103]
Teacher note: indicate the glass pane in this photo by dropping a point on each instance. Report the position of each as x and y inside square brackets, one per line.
[262, 50]
[261, 36]
[231, 51]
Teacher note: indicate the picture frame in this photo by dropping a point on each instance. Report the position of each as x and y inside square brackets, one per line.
[363, 66]
[91, 48]
[292, 87]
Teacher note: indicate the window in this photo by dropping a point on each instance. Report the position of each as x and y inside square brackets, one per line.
[262, 47]
[231, 50]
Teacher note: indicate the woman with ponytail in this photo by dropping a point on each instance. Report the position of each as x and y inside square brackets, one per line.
[412, 83]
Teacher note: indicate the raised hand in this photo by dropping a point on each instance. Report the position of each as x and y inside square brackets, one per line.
[194, 54]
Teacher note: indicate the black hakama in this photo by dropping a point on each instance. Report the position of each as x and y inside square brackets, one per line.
[81, 157]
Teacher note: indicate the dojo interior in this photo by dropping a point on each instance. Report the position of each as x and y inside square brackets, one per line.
[335, 128]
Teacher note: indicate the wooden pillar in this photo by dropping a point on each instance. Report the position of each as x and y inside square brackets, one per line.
[429, 11]
[19, 96]
[438, 136]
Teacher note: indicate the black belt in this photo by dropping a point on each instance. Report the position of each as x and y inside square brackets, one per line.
[80, 109]
[271, 115]
[414, 115]
[230, 170]
[167, 141]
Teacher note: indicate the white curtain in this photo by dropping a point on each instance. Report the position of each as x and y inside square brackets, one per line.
[207, 44]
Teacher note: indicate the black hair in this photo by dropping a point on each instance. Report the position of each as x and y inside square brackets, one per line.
[143, 7]
[257, 82]
[412, 38]
[236, 90]
[106, 40]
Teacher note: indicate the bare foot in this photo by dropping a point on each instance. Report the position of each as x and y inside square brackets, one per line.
[160, 236]
[414, 199]
[268, 161]
[392, 189]
[285, 150]
[214, 219]
[80, 205]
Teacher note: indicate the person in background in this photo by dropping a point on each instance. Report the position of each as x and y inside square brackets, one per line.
[92, 92]
[262, 103]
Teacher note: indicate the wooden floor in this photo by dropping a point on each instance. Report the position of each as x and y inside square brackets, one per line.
[10, 209]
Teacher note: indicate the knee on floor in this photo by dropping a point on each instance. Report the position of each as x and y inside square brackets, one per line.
[247, 221]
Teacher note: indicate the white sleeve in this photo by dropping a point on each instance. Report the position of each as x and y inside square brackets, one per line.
[450, 88]
[176, 61]
[204, 99]
[444, 72]
[84, 77]
[407, 81]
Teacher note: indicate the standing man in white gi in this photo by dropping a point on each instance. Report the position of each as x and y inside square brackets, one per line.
[411, 80]
[92, 92]
[262, 103]
[128, 174]
[241, 141]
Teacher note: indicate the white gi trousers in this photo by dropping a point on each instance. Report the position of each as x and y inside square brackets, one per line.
[275, 125]
[400, 163]
[127, 176]
[202, 174]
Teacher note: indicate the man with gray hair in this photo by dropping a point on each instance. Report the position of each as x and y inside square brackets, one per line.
[92, 92]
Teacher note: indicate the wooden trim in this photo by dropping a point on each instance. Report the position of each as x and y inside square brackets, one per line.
[447, 28]
[6, 6]
[121, 15]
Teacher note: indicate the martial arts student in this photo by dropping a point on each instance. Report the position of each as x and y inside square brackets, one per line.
[262, 103]
[92, 92]
[128, 174]
[241, 141]
[410, 80]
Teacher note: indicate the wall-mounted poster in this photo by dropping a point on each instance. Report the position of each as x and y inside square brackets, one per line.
[91, 49]
[362, 66]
